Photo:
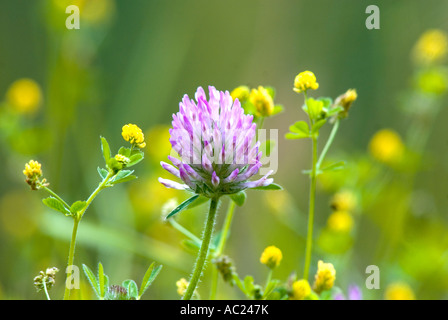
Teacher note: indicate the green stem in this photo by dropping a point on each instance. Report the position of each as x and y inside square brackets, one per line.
[56, 196]
[309, 238]
[77, 218]
[71, 255]
[268, 279]
[328, 144]
[221, 245]
[176, 225]
[203, 252]
[45, 289]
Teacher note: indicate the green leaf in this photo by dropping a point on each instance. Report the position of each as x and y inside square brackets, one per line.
[101, 280]
[56, 204]
[135, 158]
[300, 127]
[103, 173]
[292, 136]
[128, 178]
[313, 108]
[272, 186]
[333, 111]
[184, 205]
[198, 202]
[327, 102]
[239, 198]
[190, 245]
[77, 206]
[149, 277]
[335, 166]
[249, 108]
[92, 279]
[132, 289]
[106, 149]
[121, 175]
[277, 109]
[317, 125]
[125, 152]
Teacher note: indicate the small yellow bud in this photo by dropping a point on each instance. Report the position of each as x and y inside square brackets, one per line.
[182, 286]
[24, 96]
[271, 257]
[134, 135]
[241, 93]
[325, 277]
[262, 101]
[304, 81]
[431, 47]
[387, 146]
[122, 159]
[300, 290]
[399, 291]
[340, 221]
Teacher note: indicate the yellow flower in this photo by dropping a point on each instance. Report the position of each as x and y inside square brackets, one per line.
[134, 135]
[387, 146]
[262, 101]
[241, 93]
[33, 170]
[325, 277]
[340, 221]
[399, 291]
[304, 81]
[24, 96]
[431, 47]
[346, 100]
[344, 200]
[300, 290]
[181, 285]
[271, 257]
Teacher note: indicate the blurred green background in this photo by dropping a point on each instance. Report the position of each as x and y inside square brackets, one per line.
[132, 61]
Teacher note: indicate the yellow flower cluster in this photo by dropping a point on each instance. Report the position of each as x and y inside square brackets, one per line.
[386, 146]
[122, 159]
[431, 47]
[399, 291]
[134, 135]
[271, 257]
[33, 170]
[24, 96]
[300, 290]
[325, 277]
[304, 81]
[262, 100]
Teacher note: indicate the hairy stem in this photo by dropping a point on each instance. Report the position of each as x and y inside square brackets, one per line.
[203, 252]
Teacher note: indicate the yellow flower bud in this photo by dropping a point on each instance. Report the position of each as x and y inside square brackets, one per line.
[122, 159]
[387, 146]
[134, 135]
[262, 101]
[33, 170]
[346, 100]
[300, 290]
[340, 221]
[399, 291]
[24, 96]
[241, 93]
[271, 257]
[304, 81]
[325, 277]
